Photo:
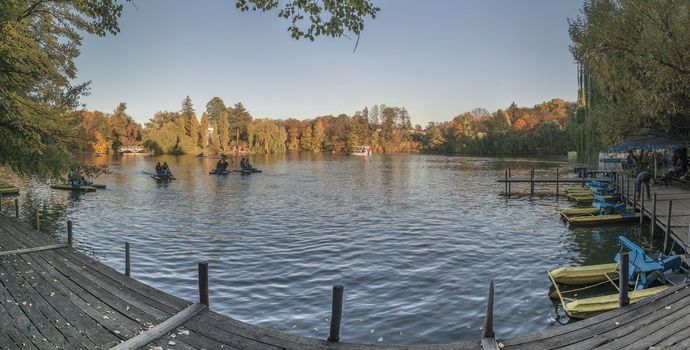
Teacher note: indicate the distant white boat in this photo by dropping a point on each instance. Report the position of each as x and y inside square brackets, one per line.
[611, 158]
[361, 151]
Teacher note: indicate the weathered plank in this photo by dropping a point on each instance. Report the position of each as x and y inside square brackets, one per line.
[31, 250]
[162, 328]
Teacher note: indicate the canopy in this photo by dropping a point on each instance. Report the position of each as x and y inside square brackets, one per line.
[650, 140]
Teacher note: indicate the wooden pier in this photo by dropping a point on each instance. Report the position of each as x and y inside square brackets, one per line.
[508, 180]
[52, 296]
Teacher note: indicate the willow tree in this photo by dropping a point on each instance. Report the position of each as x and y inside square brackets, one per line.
[39, 41]
[266, 136]
[635, 59]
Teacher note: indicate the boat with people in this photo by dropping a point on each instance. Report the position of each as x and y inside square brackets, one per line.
[246, 167]
[220, 172]
[76, 188]
[361, 151]
[163, 177]
[586, 291]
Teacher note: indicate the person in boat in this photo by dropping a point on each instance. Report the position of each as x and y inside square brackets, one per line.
[643, 178]
[159, 169]
[165, 169]
[73, 177]
[219, 166]
[249, 166]
[243, 164]
[225, 165]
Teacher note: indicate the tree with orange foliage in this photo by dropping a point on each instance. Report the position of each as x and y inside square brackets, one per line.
[100, 144]
[519, 124]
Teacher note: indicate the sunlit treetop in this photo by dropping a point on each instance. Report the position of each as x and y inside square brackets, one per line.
[312, 18]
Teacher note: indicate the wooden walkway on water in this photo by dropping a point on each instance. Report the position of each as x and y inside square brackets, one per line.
[53, 297]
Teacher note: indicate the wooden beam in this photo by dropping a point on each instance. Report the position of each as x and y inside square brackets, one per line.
[35, 249]
[146, 337]
[623, 298]
[667, 236]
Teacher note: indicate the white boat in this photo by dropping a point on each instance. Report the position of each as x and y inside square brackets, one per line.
[361, 151]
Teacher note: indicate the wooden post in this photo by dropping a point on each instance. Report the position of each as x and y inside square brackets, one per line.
[127, 266]
[634, 200]
[336, 313]
[531, 189]
[69, 232]
[641, 209]
[16, 208]
[488, 329]
[627, 190]
[36, 219]
[0, 202]
[506, 184]
[509, 184]
[667, 236]
[653, 225]
[584, 175]
[623, 281]
[203, 283]
[557, 188]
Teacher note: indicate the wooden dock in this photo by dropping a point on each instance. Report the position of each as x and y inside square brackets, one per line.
[53, 297]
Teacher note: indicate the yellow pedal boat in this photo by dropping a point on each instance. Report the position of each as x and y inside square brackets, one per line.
[588, 307]
[602, 219]
[573, 212]
[9, 190]
[584, 275]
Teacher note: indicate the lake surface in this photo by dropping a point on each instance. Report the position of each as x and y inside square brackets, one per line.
[415, 240]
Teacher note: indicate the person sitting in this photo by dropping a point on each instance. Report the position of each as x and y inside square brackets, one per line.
[225, 165]
[166, 169]
[72, 177]
[243, 164]
[219, 166]
[644, 177]
[159, 169]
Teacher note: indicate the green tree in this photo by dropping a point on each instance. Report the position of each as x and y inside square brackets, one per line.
[39, 41]
[239, 119]
[214, 108]
[266, 136]
[318, 135]
[223, 127]
[306, 143]
[191, 124]
[502, 121]
[203, 131]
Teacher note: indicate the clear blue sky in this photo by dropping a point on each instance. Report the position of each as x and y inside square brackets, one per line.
[438, 58]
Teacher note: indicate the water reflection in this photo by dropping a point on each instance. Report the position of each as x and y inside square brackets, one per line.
[414, 239]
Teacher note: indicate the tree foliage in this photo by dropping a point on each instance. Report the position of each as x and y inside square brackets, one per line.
[312, 18]
[39, 41]
[634, 58]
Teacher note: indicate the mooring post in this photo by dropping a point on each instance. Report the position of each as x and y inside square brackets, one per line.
[667, 235]
[0, 202]
[488, 329]
[16, 208]
[557, 188]
[127, 266]
[203, 283]
[506, 184]
[623, 281]
[69, 232]
[584, 175]
[653, 225]
[531, 190]
[627, 191]
[641, 209]
[36, 219]
[509, 184]
[336, 313]
[634, 199]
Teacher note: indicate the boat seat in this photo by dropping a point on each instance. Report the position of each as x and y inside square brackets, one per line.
[641, 264]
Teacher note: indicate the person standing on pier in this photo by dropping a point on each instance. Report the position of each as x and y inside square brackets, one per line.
[643, 178]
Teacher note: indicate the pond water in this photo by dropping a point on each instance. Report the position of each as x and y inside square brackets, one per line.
[415, 240]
